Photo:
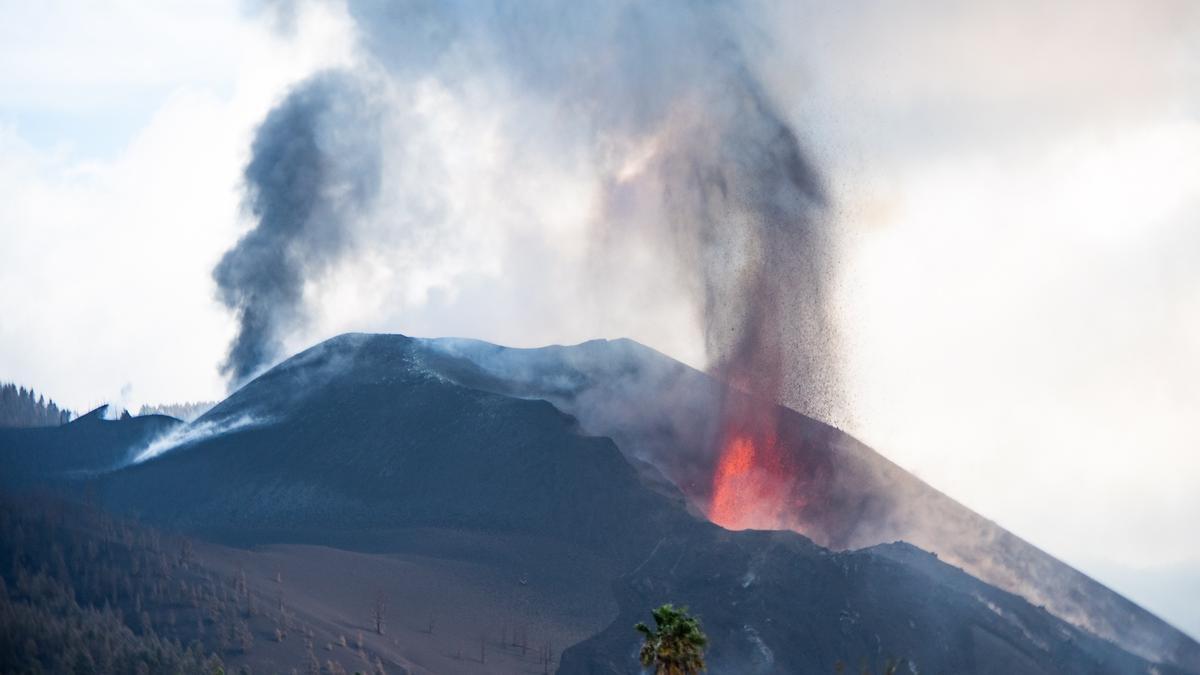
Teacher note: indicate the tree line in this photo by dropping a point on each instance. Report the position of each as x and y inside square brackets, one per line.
[21, 407]
[187, 411]
[83, 591]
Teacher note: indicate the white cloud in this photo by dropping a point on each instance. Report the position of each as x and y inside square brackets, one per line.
[1028, 323]
[479, 235]
[1018, 186]
[106, 268]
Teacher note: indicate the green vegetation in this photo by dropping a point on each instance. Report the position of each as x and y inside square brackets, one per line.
[675, 646]
[81, 592]
[21, 407]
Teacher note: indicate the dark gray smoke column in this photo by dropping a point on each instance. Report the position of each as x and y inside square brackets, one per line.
[314, 170]
[694, 160]
[693, 156]
[744, 212]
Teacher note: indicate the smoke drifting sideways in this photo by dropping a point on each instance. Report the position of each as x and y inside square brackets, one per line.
[193, 432]
[691, 157]
[315, 169]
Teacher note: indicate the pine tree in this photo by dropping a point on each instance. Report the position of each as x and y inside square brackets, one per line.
[21, 407]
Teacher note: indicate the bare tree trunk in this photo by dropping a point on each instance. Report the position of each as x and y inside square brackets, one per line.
[379, 610]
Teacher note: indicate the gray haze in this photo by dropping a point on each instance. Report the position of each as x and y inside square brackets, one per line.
[694, 161]
[314, 170]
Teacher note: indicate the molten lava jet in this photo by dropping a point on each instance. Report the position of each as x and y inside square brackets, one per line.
[731, 487]
[754, 484]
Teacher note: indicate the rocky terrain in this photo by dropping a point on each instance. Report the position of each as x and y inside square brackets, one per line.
[482, 514]
[847, 496]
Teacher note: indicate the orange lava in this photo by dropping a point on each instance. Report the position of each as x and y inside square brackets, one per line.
[753, 485]
[736, 463]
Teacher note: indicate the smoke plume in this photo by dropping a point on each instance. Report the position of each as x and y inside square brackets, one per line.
[744, 210]
[191, 433]
[691, 157]
[314, 171]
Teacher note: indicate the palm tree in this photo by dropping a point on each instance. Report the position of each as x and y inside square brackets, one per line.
[676, 645]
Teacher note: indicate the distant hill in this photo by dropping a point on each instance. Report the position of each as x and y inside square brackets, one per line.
[21, 407]
[74, 451]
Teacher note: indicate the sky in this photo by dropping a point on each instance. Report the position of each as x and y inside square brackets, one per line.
[1014, 188]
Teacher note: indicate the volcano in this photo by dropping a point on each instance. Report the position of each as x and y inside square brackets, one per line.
[777, 469]
[565, 491]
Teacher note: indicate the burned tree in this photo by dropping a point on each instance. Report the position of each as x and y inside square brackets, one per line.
[185, 553]
[379, 611]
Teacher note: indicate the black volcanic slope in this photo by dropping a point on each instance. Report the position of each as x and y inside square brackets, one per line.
[660, 413]
[38, 456]
[363, 441]
[777, 603]
[354, 435]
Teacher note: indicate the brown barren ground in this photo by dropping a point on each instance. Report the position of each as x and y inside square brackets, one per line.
[442, 614]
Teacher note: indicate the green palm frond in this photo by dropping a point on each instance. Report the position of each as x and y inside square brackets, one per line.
[676, 644]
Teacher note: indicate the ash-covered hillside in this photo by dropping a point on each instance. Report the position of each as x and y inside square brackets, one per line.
[822, 482]
[356, 435]
[87, 446]
[380, 466]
